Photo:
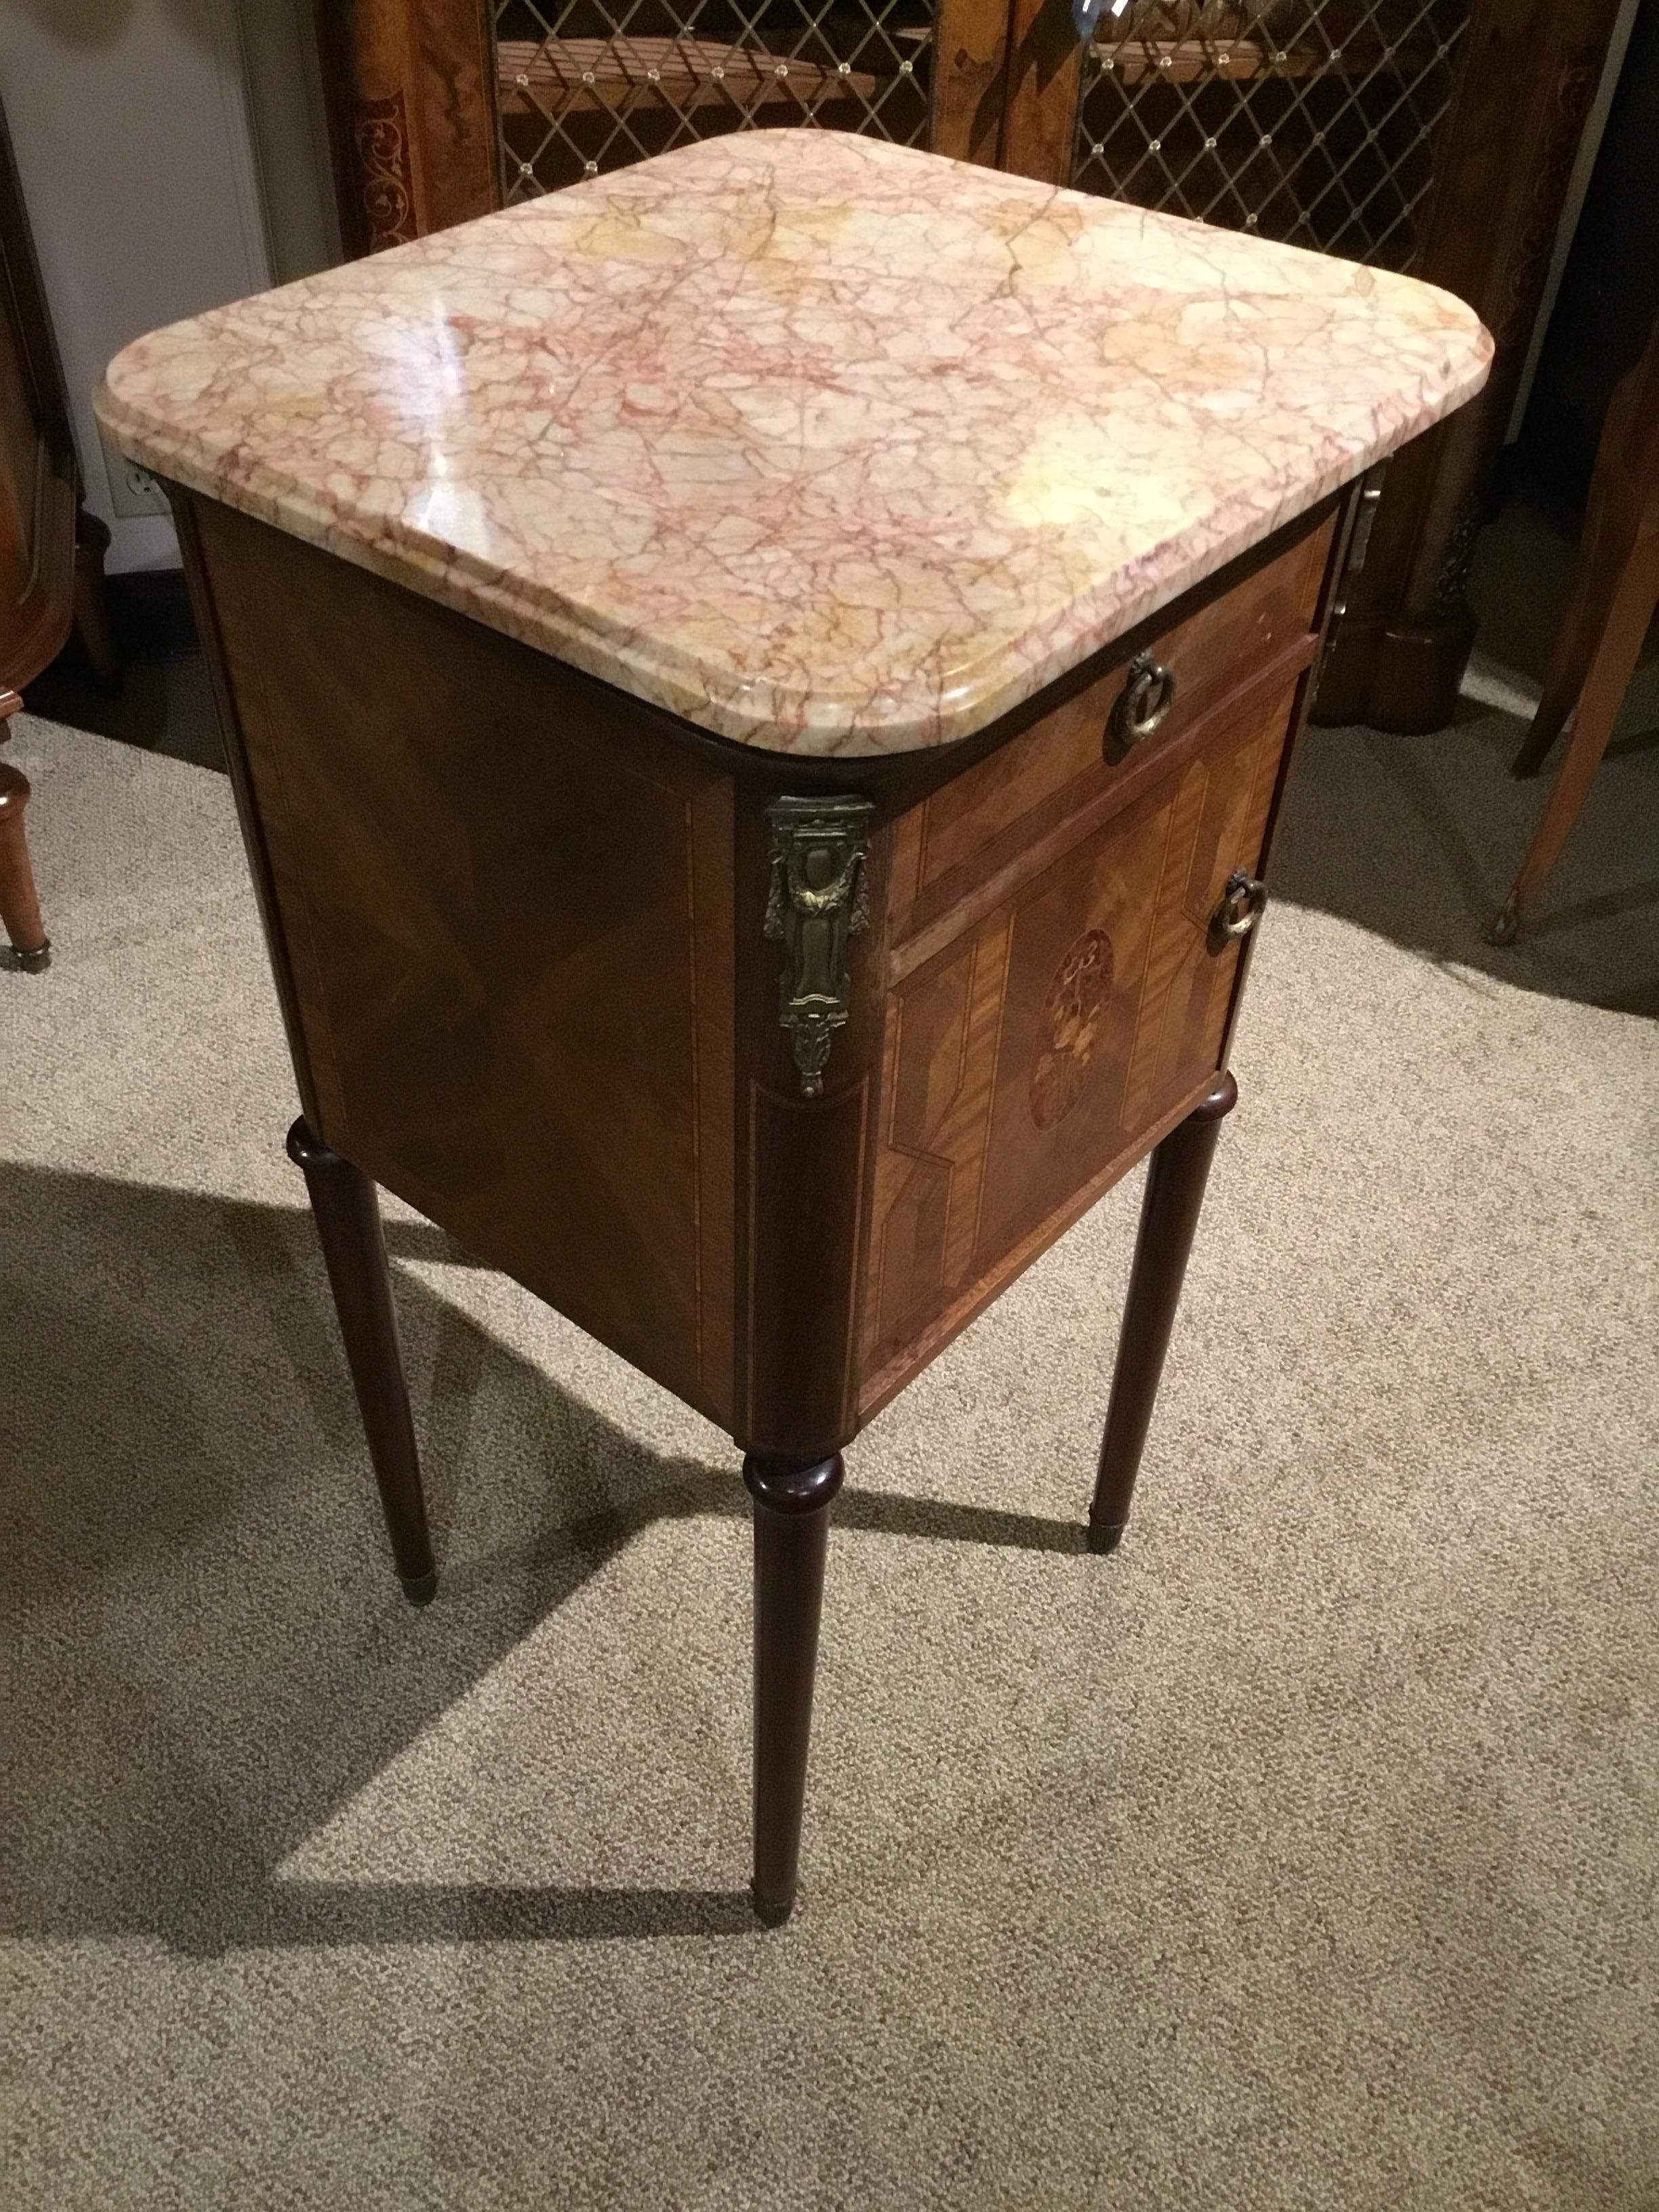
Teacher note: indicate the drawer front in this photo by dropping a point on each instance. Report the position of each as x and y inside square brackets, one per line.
[1031, 1053]
[973, 826]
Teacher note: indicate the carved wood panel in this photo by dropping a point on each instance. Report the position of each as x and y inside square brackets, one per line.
[1027, 1056]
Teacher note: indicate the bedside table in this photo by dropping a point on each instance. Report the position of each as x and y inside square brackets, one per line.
[758, 690]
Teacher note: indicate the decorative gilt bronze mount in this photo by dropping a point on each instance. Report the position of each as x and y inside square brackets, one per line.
[818, 898]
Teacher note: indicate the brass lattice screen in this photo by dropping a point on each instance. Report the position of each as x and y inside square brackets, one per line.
[1312, 124]
[591, 85]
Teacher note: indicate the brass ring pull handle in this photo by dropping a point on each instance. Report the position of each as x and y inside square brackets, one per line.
[1144, 703]
[1241, 902]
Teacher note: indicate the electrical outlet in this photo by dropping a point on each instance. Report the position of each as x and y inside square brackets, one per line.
[133, 490]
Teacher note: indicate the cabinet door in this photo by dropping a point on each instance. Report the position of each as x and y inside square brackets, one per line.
[586, 86]
[441, 110]
[1026, 1064]
[1432, 137]
[1312, 121]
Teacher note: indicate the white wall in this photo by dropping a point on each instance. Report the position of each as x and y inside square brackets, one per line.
[139, 135]
[290, 132]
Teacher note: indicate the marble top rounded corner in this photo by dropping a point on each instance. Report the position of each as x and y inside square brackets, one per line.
[827, 445]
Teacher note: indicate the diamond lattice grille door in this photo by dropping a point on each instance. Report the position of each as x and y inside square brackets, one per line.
[1312, 124]
[591, 85]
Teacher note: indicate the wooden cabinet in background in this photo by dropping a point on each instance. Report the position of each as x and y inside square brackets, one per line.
[51, 551]
[1431, 136]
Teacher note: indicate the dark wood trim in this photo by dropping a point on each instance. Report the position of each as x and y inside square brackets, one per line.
[38, 625]
[51, 549]
[235, 748]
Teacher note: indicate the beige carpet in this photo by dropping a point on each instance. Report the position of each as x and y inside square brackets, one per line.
[1302, 1856]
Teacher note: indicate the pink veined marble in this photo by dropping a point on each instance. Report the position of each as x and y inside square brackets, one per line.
[827, 446]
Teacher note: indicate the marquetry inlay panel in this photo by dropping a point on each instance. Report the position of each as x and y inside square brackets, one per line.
[1030, 1052]
[1069, 1027]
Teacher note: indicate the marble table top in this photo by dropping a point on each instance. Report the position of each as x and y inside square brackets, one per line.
[827, 446]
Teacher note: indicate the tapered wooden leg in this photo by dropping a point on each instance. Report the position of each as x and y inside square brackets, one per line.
[1603, 555]
[792, 1531]
[20, 908]
[1169, 1220]
[349, 1223]
[1616, 654]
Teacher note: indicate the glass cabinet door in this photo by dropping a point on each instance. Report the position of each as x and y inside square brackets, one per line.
[1311, 121]
[588, 85]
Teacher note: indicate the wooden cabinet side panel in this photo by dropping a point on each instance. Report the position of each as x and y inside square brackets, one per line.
[514, 964]
[223, 623]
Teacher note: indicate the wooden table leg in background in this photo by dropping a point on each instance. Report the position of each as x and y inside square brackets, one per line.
[348, 1216]
[1616, 647]
[791, 1531]
[19, 907]
[1169, 1220]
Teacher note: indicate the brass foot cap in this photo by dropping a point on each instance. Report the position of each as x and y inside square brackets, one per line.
[420, 1590]
[32, 964]
[1505, 928]
[770, 1915]
[1105, 1536]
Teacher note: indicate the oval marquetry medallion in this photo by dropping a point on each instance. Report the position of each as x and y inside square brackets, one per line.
[1069, 1027]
